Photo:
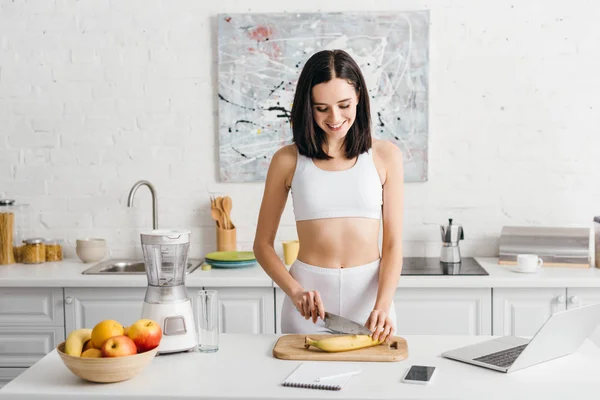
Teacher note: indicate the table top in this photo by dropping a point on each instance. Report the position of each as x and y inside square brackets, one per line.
[244, 368]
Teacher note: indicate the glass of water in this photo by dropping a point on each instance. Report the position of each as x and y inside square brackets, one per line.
[207, 318]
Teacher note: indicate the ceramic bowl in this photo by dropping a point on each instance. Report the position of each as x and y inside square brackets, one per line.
[90, 254]
[91, 242]
[106, 370]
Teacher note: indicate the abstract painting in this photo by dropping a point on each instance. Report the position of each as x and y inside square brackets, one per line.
[260, 57]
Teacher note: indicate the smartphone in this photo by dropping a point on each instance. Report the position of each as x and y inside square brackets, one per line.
[420, 374]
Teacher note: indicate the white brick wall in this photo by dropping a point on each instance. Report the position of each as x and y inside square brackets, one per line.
[95, 95]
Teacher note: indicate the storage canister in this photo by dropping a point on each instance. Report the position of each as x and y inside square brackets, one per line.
[33, 251]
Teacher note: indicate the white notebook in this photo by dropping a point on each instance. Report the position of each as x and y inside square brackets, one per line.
[325, 375]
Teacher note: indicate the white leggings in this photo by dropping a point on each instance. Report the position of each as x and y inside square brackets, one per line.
[349, 292]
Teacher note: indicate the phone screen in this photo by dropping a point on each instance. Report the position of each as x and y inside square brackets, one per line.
[419, 373]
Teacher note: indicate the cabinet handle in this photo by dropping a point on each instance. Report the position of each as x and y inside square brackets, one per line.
[561, 299]
[68, 300]
[574, 300]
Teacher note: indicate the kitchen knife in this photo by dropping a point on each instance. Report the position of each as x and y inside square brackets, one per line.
[339, 324]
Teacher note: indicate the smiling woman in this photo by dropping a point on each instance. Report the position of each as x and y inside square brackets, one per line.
[339, 178]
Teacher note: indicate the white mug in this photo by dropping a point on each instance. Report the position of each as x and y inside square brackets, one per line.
[528, 262]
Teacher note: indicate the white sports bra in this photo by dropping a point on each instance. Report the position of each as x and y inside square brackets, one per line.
[355, 192]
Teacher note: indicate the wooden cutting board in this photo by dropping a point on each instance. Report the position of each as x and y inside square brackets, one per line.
[291, 347]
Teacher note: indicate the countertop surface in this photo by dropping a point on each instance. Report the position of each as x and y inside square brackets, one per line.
[244, 368]
[68, 273]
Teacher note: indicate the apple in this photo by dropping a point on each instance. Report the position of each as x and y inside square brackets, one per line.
[146, 334]
[118, 346]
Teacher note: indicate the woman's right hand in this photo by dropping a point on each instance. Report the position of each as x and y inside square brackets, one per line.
[309, 304]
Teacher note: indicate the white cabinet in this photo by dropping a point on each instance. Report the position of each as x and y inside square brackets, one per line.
[522, 311]
[32, 324]
[443, 311]
[24, 346]
[31, 307]
[246, 310]
[425, 311]
[279, 296]
[85, 307]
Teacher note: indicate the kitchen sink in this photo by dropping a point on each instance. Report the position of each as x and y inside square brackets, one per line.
[129, 267]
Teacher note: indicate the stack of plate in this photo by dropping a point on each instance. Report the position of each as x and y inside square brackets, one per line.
[230, 259]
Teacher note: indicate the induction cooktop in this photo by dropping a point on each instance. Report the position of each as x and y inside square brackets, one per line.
[433, 266]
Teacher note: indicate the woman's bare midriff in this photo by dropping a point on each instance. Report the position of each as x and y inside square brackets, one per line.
[338, 242]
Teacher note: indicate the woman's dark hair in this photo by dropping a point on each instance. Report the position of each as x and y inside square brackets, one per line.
[308, 136]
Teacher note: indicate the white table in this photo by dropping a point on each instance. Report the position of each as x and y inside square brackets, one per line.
[244, 368]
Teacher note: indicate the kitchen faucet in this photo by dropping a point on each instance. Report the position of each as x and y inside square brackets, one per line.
[154, 202]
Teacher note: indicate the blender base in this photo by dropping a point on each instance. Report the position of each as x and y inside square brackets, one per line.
[177, 323]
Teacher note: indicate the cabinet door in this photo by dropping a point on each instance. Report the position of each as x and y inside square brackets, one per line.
[24, 346]
[577, 297]
[445, 311]
[85, 307]
[246, 310]
[8, 374]
[31, 307]
[279, 296]
[522, 311]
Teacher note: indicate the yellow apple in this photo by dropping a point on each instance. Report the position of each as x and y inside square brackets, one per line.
[118, 346]
[104, 330]
[92, 353]
[146, 334]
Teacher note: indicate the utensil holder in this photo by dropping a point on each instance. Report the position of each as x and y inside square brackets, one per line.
[226, 239]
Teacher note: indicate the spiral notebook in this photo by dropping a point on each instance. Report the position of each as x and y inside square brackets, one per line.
[324, 375]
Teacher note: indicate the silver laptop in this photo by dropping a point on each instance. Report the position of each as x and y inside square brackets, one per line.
[560, 335]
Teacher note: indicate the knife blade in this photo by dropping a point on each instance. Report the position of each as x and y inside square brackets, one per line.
[344, 325]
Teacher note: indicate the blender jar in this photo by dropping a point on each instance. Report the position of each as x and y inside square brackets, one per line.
[165, 256]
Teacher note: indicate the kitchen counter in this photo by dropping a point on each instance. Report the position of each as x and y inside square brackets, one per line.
[67, 273]
[244, 368]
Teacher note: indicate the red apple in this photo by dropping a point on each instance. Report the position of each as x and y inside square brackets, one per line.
[146, 334]
[118, 346]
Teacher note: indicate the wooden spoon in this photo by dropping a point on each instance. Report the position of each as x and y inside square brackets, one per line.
[219, 203]
[227, 204]
[217, 215]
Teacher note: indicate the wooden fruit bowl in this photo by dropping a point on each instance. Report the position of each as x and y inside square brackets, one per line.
[106, 370]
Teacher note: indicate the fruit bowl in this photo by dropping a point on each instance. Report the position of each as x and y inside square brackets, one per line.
[108, 369]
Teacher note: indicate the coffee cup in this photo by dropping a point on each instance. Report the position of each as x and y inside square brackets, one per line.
[528, 262]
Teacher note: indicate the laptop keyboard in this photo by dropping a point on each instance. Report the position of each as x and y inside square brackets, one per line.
[503, 358]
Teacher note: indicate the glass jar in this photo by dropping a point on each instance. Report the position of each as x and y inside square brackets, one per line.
[33, 251]
[597, 241]
[53, 250]
[14, 227]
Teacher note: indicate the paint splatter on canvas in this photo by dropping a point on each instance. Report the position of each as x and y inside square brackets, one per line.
[260, 59]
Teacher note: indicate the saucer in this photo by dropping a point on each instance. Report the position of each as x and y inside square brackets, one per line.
[515, 269]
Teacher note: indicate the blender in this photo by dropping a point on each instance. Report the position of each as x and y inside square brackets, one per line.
[167, 301]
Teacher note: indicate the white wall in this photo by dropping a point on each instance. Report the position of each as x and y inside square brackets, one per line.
[95, 95]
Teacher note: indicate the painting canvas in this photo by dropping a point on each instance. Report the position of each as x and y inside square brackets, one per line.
[260, 57]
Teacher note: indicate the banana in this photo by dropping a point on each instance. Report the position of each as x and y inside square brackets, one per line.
[76, 340]
[342, 343]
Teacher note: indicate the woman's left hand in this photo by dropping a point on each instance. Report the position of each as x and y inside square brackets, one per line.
[380, 324]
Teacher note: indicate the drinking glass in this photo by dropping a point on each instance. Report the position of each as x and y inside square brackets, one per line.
[207, 319]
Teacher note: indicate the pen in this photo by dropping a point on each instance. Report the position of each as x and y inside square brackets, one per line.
[323, 378]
